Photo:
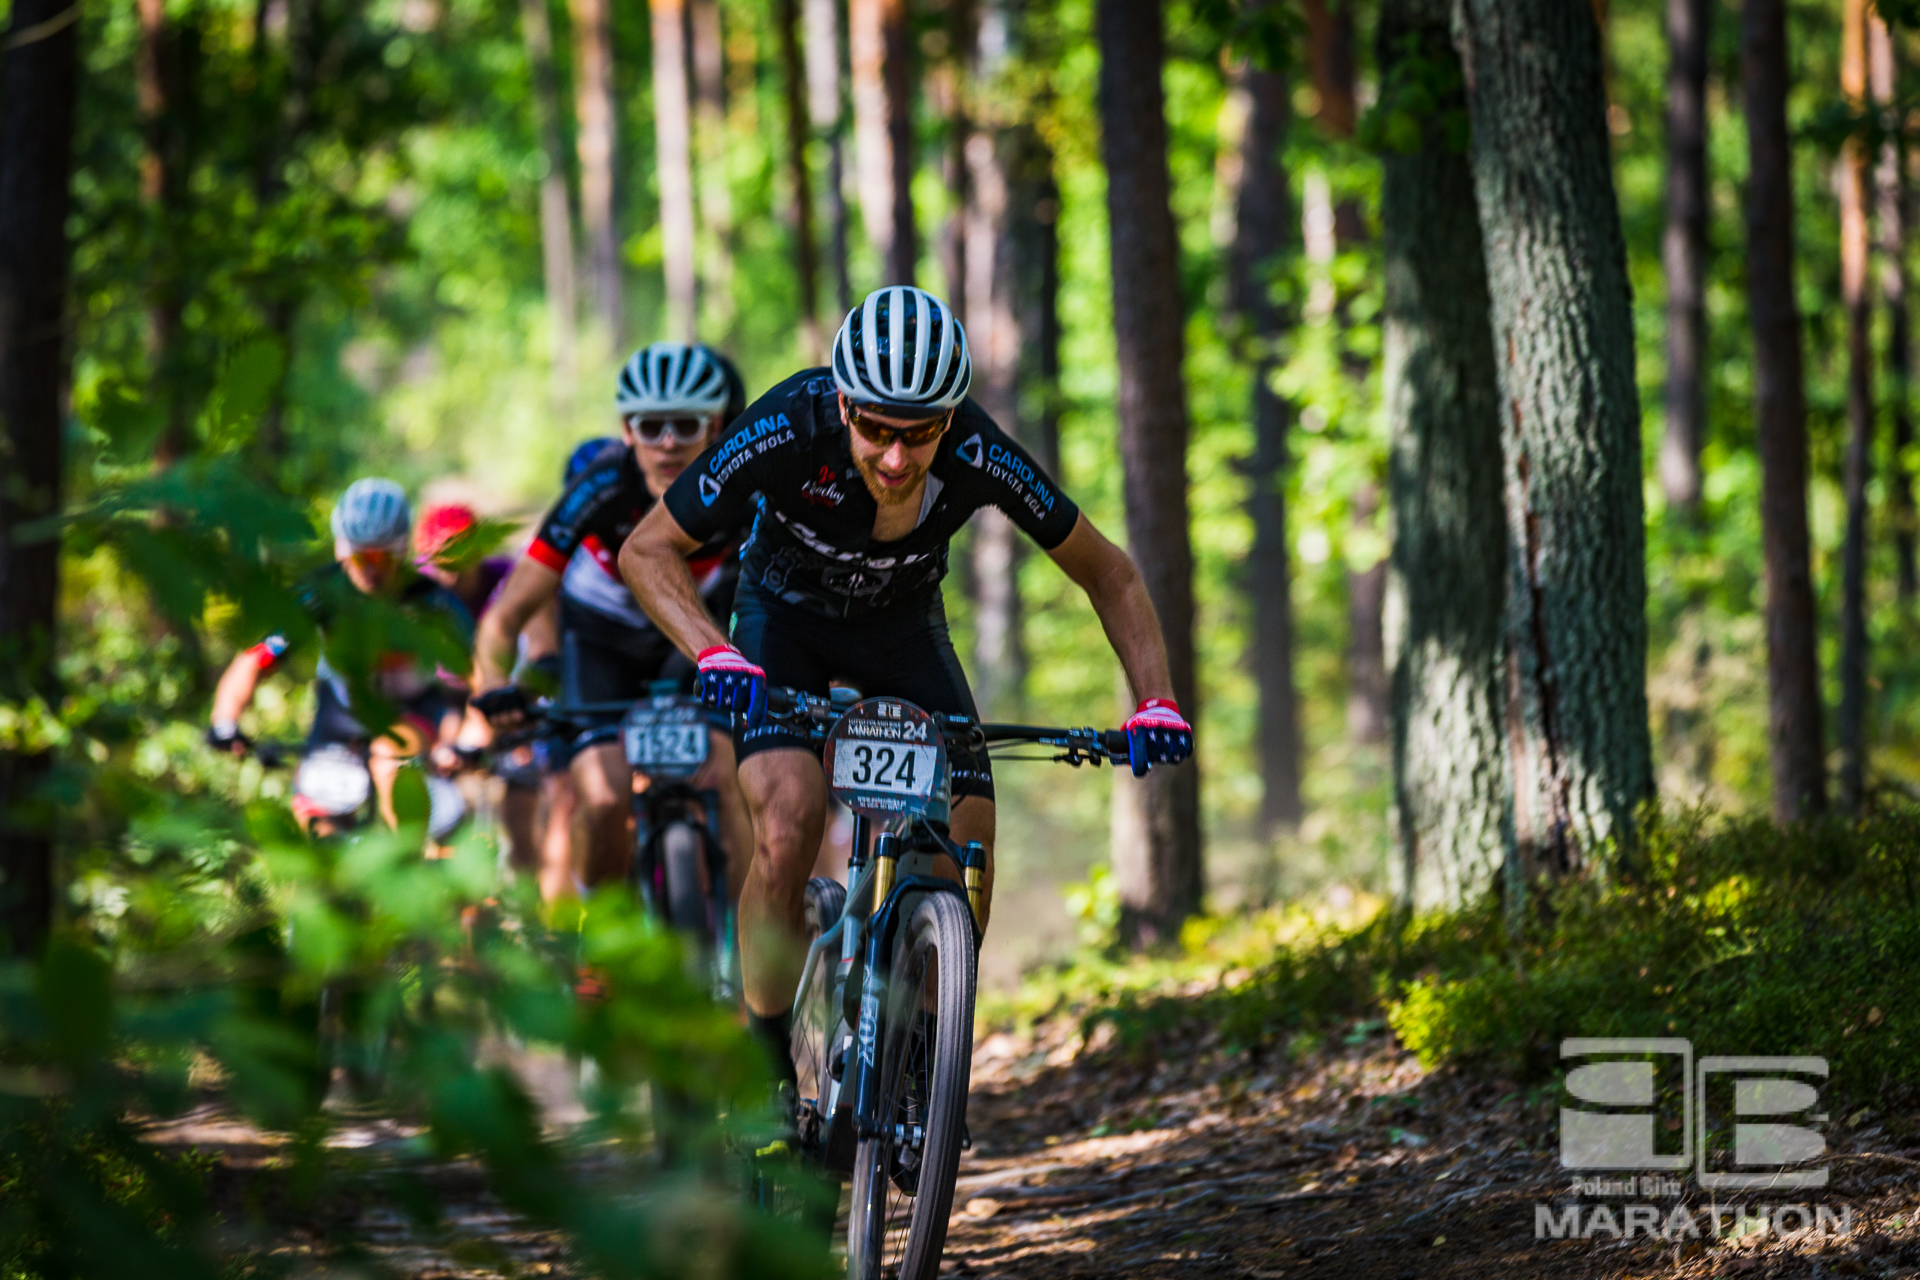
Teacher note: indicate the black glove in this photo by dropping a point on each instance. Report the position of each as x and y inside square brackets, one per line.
[507, 700]
[226, 737]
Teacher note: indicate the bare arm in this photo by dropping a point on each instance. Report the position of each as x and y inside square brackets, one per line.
[1119, 595]
[526, 591]
[234, 693]
[653, 561]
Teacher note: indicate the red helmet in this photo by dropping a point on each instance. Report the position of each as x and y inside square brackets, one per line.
[440, 525]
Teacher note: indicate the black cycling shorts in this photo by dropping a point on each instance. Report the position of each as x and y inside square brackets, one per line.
[902, 653]
[606, 661]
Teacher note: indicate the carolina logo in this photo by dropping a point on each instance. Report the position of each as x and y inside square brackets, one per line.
[709, 490]
[970, 451]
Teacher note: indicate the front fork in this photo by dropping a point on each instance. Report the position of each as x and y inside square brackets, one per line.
[878, 971]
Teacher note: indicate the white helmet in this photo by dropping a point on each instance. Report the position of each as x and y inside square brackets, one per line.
[372, 513]
[902, 347]
[679, 377]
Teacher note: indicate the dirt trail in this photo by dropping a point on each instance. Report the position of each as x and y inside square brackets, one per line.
[1090, 1162]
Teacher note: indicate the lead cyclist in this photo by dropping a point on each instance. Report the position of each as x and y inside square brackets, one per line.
[856, 478]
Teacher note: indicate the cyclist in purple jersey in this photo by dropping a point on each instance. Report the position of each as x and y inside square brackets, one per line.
[855, 478]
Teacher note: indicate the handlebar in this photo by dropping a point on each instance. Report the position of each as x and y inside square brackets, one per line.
[815, 716]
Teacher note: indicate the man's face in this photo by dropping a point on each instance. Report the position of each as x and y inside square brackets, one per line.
[885, 449]
[666, 444]
[370, 569]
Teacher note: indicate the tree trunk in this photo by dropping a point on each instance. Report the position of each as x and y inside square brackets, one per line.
[872, 145]
[1159, 868]
[1330, 64]
[1684, 253]
[1263, 233]
[714, 237]
[823, 109]
[956, 78]
[1562, 326]
[1855, 241]
[279, 133]
[903, 243]
[556, 207]
[1780, 414]
[804, 269]
[1449, 529]
[37, 89]
[1891, 201]
[595, 113]
[164, 81]
[673, 166]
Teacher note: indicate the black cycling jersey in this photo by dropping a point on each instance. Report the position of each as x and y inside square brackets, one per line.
[786, 461]
[581, 536]
[418, 689]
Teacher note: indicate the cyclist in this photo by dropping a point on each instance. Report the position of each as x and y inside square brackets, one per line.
[370, 524]
[673, 399]
[856, 477]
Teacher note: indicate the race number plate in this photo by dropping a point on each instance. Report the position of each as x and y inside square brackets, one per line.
[886, 757]
[665, 737]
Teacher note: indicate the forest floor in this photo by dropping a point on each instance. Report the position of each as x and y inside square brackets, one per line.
[1089, 1161]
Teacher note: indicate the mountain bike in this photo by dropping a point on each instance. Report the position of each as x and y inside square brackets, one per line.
[679, 869]
[883, 1016]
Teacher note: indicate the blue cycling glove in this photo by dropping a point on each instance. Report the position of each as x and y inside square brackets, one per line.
[1157, 734]
[732, 684]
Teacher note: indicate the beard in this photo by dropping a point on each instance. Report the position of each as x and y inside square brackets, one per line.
[889, 495]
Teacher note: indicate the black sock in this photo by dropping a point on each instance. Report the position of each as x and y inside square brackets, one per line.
[776, 1036]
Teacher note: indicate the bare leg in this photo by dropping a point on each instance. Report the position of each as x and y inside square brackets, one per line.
[736, 826]
[557, 879]
[605, 784]
[385, 755]
[519, 812]
[787, 795]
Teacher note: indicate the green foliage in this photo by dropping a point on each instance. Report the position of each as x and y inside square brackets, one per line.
[215, 951]
[1745, 938]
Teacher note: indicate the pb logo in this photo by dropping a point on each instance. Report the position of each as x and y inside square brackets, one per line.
[1751, 1100]
[971, 451]
[709, 490]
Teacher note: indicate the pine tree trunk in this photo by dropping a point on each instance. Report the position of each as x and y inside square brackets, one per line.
[1263, 233]
[164, 72]
[673, 166]
[714, 237]
[1780, 413]
[38, 75]
[1449, 529]
[1157, 857]
[556, 206]
[805, 268]
[1562, 328]
[1891, 209]
[594, 114]
[872, 147]
[824, 112]
[1684, 253]
[1855, 241]
[903, 242]
[956, 78]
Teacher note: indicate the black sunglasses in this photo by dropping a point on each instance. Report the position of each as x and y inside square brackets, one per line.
[655, 430]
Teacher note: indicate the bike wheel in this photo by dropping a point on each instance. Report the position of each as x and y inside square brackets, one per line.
[903, 1179]
[682, 855]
